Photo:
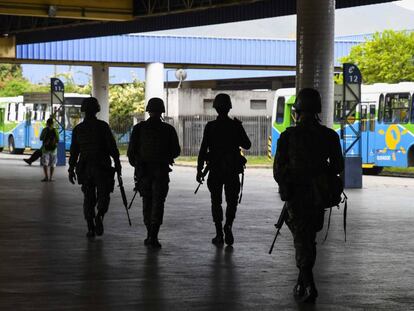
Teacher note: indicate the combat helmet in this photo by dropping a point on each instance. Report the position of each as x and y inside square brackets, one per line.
[222, 101]
[308, 100]
[90, 105]
[155, 104]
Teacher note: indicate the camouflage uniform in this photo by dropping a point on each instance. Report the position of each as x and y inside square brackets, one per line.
[304, 153]
[152, 149]
[220, 149]
[91, 150]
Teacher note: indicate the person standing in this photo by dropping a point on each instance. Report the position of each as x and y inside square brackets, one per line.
[91, 150]
[152, 149]
[220, 150]
[306, 155]
[50, 138]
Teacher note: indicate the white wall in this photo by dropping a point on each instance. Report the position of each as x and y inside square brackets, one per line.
[186, 102]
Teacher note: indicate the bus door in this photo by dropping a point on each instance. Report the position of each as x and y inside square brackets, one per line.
[28, 127]
[368, 132]
[2, 113]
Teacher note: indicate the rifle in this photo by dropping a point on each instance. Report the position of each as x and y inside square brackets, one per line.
[279, 225]
[203, 174]
[123, 195]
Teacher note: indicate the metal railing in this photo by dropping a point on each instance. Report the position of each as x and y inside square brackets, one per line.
[190, 131]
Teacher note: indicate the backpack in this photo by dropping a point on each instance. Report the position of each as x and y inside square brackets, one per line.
[50, 140]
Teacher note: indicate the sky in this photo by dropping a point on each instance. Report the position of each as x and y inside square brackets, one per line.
[396, 15]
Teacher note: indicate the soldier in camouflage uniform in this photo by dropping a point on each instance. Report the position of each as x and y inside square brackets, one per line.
[306, 153]
[152, 149]
[91, 150]
[220, 149]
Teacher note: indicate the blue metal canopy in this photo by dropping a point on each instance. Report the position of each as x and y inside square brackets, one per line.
[173, 51]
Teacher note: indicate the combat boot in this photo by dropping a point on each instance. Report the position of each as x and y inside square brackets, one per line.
[99, 229]
[91, 229]
[299, 288]
[147, 240]
[229, 239]
[218, 239]
[310, 292]
[153, 239]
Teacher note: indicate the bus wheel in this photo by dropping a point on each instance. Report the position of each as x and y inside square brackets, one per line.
[1, 149]
[12, 149]
[19, 151]
[372, 171]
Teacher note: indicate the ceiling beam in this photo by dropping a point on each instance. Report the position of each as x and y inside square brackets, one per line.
[108, 10]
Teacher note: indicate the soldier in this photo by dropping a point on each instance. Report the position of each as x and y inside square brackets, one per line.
[220, 149]
[305, 154]
[91, 150]
[152, 149]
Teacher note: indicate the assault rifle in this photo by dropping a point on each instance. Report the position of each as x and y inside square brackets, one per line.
[203, 174]
[123, 195]
[279, 225]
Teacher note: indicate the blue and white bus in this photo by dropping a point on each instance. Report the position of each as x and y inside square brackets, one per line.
[22, 119]
[386, 121]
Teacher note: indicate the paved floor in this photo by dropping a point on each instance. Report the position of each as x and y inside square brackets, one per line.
[48, 264]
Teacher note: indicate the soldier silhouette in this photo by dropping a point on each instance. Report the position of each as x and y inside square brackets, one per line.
[305, 155]
[220, 149]
[91, 150]
[152, 149]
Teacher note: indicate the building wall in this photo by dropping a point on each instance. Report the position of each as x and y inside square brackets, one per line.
[190, 102]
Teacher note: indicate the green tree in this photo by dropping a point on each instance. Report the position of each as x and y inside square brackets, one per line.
[388, 57]
[124, 102]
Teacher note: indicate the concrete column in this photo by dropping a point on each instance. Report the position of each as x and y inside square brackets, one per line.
[315, 51]
[100, 89]
[154, 81]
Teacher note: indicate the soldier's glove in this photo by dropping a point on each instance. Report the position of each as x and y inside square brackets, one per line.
[72, 177]
[200, 177]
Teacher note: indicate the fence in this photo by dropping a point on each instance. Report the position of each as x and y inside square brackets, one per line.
[190, 131]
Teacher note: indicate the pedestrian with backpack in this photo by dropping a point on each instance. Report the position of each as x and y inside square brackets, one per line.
[50, 139]
[308, 156]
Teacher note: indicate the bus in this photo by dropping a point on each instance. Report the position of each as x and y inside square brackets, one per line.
[386, 122]
[22, 119]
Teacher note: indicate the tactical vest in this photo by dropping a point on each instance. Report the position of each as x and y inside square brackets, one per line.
[154, 139]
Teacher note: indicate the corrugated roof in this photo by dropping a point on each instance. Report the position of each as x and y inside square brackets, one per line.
[174, 50]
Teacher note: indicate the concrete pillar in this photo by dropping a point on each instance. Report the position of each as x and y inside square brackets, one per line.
[154, 81]
[100, 89]
[315, 51]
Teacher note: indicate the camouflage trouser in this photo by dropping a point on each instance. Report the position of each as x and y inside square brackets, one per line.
[153, 187]
[231, 184]
[304, 221]
[96, 187]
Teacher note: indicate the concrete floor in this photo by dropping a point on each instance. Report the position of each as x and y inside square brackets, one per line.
[48, 264]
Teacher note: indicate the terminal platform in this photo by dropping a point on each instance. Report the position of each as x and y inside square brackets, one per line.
[47, 263]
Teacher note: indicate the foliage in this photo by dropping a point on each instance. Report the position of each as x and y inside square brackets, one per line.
[388, 57]
[124, 102]
[70, 84]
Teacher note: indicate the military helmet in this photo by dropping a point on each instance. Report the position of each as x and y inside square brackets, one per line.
[155, 104]
[308, 100]
[222, 101]
[90, 104]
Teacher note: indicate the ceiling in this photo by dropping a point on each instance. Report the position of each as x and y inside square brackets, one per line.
[151, 15]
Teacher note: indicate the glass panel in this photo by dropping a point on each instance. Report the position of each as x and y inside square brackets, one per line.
[258, 104]
[397, 108]
[372, 118]
[280, 111]
[381, 109]
[338, 111]
[364, 118]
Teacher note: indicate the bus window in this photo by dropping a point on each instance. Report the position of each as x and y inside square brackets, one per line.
[412, 109]
[397, 108]
[381, 109]
[363, 118]
[280, 110]
[338, 111]
[73, 117]
[372, 118]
